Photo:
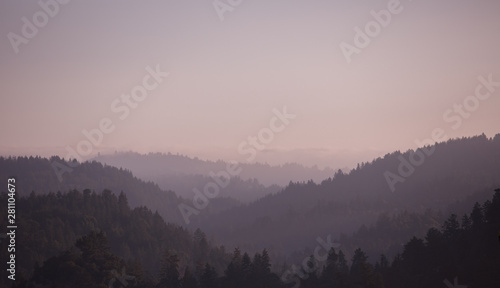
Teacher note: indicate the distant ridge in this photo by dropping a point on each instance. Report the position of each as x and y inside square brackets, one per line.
[154, 165]
[340, 204]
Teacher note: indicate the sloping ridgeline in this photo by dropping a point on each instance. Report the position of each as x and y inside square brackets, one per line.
[51, 223]
[37, 174]
[301, 212]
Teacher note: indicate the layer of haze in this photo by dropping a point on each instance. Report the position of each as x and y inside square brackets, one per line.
[227, 76]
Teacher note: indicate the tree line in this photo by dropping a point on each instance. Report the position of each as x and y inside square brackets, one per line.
[117, 243]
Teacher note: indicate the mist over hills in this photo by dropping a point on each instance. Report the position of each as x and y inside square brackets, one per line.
[240, 190]
[39, 175]
[250, 144]
[378, 206]
[298, 214]
[183, 174]
[104, 230]
[154, 166]
[52, 222]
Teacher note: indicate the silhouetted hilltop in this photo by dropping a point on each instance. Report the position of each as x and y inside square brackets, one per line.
[416, 197]
[341, 204]
[156, 165]
[38, 174]
[51, 223]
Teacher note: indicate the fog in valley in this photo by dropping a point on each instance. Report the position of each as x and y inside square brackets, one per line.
[229, 143]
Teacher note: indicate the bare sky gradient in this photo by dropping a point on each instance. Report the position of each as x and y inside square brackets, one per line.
[227, 76]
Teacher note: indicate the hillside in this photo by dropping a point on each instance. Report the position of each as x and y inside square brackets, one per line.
[244, 191]
[49, 224]
[351, 207]
[37, 174]
[105, 248]
[157, 165]
[340, 205]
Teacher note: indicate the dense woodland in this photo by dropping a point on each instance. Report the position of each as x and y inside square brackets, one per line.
[38, 174]
[141, 225]
[161, 166]
[93, 240]
[237, 189]
[52, 223]
[457, 170]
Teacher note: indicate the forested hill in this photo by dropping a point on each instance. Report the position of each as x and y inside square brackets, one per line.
[37, 174]
[51, 223]
[240, 190]
[96, 241]
[155, 166]
[302, 211]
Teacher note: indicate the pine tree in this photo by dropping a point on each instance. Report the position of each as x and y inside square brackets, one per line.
[362, 274]
[96, 256]
[188, 280]
[169, 273]
[209, 277]
[330, 271]
[311, 280]
[477, 217]
[451, 227]
[234, 272]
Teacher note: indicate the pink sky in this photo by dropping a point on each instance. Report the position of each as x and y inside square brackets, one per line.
[227, 76]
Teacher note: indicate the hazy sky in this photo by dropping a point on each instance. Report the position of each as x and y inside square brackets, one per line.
[226, 77]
